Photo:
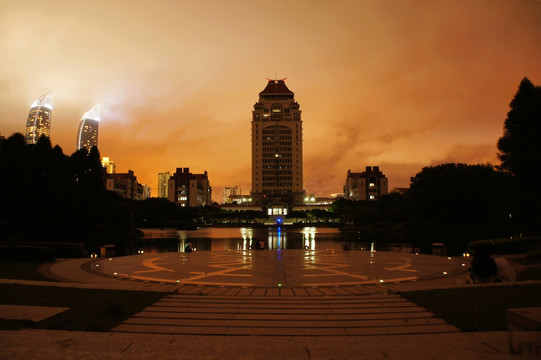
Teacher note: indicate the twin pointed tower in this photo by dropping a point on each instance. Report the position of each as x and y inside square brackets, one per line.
[277, 147]
[87, 137]
[38, 123]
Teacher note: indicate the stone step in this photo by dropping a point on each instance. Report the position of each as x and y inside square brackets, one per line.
[310, 316]
[283, 300]
[275, 323]
[262, 310]
[189, 304]
[40, 317]
[528, 319]
[284, 331]
[213, 290]
[259, 316]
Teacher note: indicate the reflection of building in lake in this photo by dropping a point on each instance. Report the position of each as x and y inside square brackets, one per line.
[368, 185]
[247, 238]
[309, 238]
[276, 239]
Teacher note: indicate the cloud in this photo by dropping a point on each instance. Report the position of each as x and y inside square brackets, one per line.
[401, 85]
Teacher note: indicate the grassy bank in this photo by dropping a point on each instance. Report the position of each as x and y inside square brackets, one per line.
[477, 308]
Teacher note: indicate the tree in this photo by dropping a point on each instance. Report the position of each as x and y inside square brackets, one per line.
[393, 207]
[520, 145]
[458, 193]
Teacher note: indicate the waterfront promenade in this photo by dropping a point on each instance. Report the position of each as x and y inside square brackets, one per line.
[267, 304]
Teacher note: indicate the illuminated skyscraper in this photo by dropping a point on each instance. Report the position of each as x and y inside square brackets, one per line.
[39, 119]
[88, 129]
[277, 147]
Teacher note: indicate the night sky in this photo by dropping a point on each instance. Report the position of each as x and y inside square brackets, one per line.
[398, 84]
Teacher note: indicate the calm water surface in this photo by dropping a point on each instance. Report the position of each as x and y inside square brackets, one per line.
[243, 238]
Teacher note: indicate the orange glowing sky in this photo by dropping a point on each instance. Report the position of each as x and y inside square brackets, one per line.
[399, 84]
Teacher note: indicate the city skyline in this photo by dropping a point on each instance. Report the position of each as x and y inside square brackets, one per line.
[399, 85]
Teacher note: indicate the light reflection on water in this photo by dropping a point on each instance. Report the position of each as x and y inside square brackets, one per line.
[274, 238]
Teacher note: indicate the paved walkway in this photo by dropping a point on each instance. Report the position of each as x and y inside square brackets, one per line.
[285, 269]
[67, 345]
[336, 312]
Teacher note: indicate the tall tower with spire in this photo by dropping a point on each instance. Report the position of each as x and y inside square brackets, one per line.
[38, 123]
[87, 137]
[277, 169]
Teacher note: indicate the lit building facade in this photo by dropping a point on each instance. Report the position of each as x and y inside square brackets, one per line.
[368, 185]
[108, 165]
[228, 193]
[38, 123]
[87, 137]
[187, 189]
[277, 168]
[163, 184]
[126, 185]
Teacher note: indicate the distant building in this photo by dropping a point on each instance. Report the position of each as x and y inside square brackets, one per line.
[277, 169]
[312, 200]
[163, 186]
[126, 185]
[146, 191]
[229, 192]
[240, 199]
[368, 185]
[108, 165]
[187, 189]
[38, 123]
[87, 137]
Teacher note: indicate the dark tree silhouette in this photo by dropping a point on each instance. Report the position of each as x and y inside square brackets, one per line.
[520, 145]
[458, 193]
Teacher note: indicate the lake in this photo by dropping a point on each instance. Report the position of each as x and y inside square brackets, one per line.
[274, 238]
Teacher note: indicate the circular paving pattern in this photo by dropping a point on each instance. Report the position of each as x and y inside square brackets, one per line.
[287, 268]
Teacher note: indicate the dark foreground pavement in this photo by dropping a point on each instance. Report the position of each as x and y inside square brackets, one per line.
[223, 321]
[55, 344]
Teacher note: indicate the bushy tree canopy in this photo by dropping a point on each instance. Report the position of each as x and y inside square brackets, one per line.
[46, 195]
[457, 193]
[520, 145]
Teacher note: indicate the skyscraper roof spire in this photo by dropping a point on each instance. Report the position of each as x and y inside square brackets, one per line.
[276, 87]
